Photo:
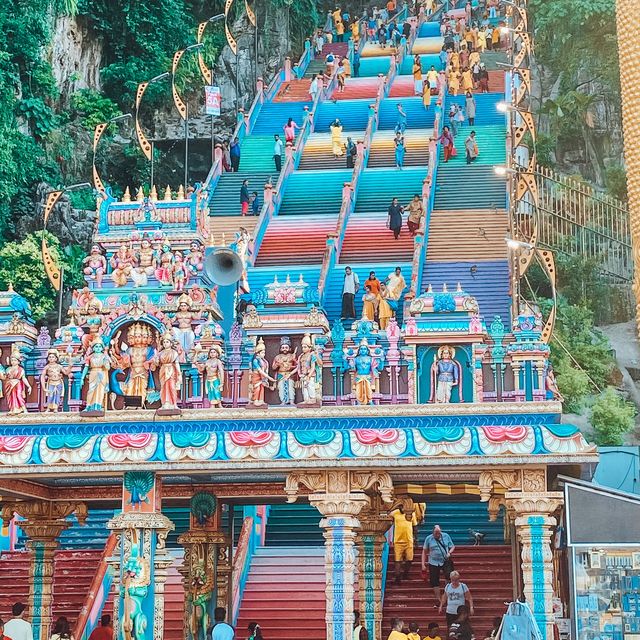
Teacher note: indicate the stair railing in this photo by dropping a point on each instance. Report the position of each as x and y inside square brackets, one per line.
[428, 199]
[241, 564]
[98, 593]
[335, 239]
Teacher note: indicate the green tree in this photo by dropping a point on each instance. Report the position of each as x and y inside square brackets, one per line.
[611, 418]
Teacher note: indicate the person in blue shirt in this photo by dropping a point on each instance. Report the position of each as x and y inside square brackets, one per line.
[234, 152]
[221, 630]
[255, 204]
[436, 553]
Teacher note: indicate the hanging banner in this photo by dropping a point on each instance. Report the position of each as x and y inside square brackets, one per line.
[212, 101]
[250, 14]
[231, 41]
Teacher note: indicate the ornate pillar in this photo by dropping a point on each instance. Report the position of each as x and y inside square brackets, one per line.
[339, 496]
[45, 521]
[374, 523]
[204, 548]
[531, 507]
[140, 559]
[628, 23]
[535, 525]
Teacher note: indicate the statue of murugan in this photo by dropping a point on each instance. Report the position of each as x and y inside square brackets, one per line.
[445, 376]
[259, 378]
[366, 369]
[52, 381]
[310, 373]
[213, 371]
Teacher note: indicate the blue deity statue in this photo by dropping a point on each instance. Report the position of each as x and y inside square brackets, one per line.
[366, 368]
[445, 376]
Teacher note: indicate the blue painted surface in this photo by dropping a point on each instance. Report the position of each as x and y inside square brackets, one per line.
[93, 535]
[619, 469]
[417, 116]
[274, 115]
[353, 115]
[469, 187]
[371, 67]
[314, 192]
[426, 60]
[429, 29]
[377, 187]
[538, 544]
[489, 285]
[486, 111]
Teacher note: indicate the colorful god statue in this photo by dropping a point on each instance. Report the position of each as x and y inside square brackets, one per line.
[16, 385]
[164, 270]
[135, 357]
[366, 370]
[284, 365]
[445, 376]
[170, 376]
[310, 373]
[135, 582]
[180, 274]
[122, 262]
[145, 263]
[184, 317]
[259, 378]
[95, 265]
[52, 381]
[213, 371]
[96, 365]
[195, 259]
[91, 321]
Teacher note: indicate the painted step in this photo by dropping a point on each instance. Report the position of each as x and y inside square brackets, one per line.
[426, 61]
[487, 281]
[358, 88]
[484, 237]
[367, 234]
[353, 115]
[377, 187]
[416, 142]
[469, 187]
[294, 91]
[491, 143]
[223, 229]
[295, 240]
[92, 535]
[226, 196]
[429, 29]
[274, 115]
[372, 67]
[257, 155]
[318, 151]
[486, 108]
[313, 193]
[417, 116]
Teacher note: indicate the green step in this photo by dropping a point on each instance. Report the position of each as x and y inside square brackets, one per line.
[257, 154]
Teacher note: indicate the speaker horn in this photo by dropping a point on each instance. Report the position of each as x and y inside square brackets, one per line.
[223, 267]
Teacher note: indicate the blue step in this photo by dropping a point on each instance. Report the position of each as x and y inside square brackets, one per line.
[274, 115]
[93, 535]
[293, 525]
[426, 60]
[353, 115]
[469, 187]
[488, 283]
[314, 192]
[371, 67]
[486, 108]
[429, 30]
[377, 187]
[417, 116]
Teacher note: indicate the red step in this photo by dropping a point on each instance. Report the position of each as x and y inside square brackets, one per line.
[337, 48]
[355, 88]
[294, 91]
[174, 603]
[295, 240]
[486, 570]
[367, 236]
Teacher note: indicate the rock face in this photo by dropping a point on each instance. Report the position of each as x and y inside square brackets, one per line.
[75, 56]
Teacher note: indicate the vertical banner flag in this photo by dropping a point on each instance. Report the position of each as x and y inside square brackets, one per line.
[213, 100]
[233, 45]
[250, 14]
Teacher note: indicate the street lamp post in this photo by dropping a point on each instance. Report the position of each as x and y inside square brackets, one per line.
[181, 105]
[147, 148]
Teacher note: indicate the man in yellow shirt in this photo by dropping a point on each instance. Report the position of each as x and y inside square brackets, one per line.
[403, 541]
[396, 632]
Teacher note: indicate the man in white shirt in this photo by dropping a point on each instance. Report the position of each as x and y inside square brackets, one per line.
[278, 150]
[17, 628]
[221, 630]
[349, 290]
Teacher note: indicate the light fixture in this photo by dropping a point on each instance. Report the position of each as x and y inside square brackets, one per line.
[502, 171]
[514, 244]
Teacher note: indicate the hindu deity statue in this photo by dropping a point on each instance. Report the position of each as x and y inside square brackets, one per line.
[551, 384]
[180, 273]
[96, 366]
[200, 594]
[91, 321]
[52, 381]
[16, 385]
[195, 259]
[284, 365]
[242, 246]
[146, 212]
[184, 317]
[213, 371]
[310, 373]
[122, 262]
[135, 583]
[445, 376]
[164, 270]
[168, 361]
[145, 259]
[259, 378]
[135, 357]
[95, 265]
[366, 369]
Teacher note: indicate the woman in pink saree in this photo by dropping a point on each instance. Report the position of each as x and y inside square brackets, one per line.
[15, 385]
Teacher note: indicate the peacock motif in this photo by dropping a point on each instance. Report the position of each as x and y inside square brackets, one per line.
[203, 506]
[138, 484]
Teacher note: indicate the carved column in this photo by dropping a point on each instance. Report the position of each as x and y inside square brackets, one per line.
[44, 523]
[535, 525]
[140, 559]
[340, 497]
[203, 569]
[374, 523]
